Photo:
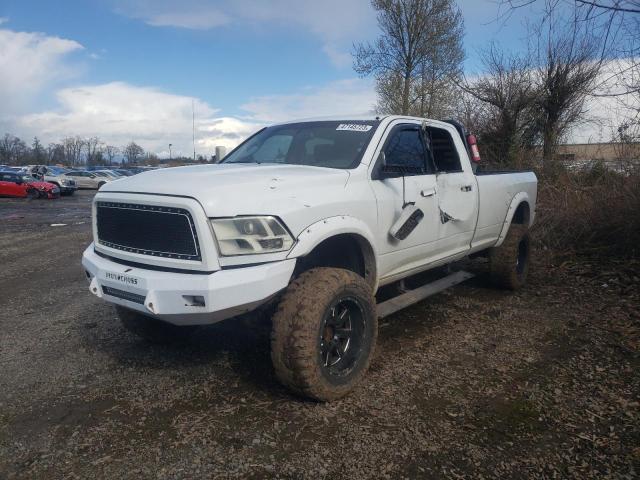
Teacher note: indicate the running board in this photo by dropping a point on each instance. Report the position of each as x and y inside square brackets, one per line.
[416, 295]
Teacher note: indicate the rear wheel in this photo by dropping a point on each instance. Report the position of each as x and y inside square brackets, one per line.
[152, 330]
[324, 333]
[33, 194]
[509, 263]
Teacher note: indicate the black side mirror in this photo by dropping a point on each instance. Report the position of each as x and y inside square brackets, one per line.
[19, 181]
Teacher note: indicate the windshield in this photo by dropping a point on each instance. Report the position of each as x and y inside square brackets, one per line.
[318, 144]
[100, 174]
[56, 170]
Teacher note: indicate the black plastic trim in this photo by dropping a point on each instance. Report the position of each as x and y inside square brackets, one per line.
[156, 268]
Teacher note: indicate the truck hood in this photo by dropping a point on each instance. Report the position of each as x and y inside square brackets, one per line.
[228, 190]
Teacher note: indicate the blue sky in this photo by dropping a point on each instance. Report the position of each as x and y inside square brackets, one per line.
[128, 70]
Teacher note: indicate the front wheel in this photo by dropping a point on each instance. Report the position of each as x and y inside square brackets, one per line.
[324, 333]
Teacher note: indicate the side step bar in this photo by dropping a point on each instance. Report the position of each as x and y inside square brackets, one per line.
[416, 295]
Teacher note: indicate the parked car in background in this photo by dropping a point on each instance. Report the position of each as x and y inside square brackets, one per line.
[57, 176]
[16, 184]
[109, 173]
[135, 170]
[124, 172]
[86, 179]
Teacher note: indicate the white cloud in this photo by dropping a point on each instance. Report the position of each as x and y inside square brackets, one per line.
[224, 131]
[335, 22]
[119, 113]
[29, 62]
[351, 96]
[604, 114]
[198, 20]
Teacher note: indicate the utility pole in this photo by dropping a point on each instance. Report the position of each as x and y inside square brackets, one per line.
[193, 119]
[170, 152]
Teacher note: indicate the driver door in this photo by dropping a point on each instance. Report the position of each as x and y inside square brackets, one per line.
[405, 144]
[81, 179]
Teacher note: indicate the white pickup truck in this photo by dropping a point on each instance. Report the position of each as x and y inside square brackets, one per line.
[312, 217]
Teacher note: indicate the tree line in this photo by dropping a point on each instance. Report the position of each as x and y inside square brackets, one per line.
[524, 101]
[71, 151]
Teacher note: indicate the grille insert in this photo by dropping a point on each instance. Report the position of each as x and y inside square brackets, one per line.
[132, 297]
[148, 230]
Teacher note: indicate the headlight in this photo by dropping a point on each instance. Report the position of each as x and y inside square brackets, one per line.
[251, 235]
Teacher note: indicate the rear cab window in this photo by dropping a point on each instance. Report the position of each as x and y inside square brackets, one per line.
[445, 154]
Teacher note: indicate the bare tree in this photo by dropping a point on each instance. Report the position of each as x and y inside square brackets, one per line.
[593, 6]
[72, 149]
[55, 153]
[507, 89]
[132, 152]
[37, 152]
[93, 147]
[110, 151]
[13, 151]
[616, 25]
[419, 47]
[568, 63]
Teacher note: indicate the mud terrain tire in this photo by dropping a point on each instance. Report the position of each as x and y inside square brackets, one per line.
[509, 263]
[324, 333]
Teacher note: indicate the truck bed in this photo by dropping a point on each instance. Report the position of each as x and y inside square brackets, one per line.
[499, 189]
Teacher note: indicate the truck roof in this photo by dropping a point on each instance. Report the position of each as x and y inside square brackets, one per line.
[364, 118]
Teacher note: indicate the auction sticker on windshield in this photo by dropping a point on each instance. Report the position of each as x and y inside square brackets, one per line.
[354, 127]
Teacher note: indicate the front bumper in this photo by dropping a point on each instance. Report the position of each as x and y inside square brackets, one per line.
[185, 298]
[67, 189]
[53, 193]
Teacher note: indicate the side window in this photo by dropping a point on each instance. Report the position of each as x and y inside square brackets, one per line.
[405, 147]
[445, 154]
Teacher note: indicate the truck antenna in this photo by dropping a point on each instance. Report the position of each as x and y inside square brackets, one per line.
[193, 127]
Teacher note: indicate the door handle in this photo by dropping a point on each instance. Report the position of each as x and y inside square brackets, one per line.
[428, 193]
[466, 188]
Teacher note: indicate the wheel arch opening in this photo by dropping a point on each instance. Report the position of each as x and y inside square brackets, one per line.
[349, 251]
[522, 215]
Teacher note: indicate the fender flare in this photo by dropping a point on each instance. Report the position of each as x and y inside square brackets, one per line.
[314, 234]
[519, 198]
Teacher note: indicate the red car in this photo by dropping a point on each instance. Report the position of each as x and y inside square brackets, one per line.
[15, 184]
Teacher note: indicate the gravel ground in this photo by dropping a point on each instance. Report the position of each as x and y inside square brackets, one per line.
[473, 383]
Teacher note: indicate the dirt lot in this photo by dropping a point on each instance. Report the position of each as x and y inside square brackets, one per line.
[473, 383]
